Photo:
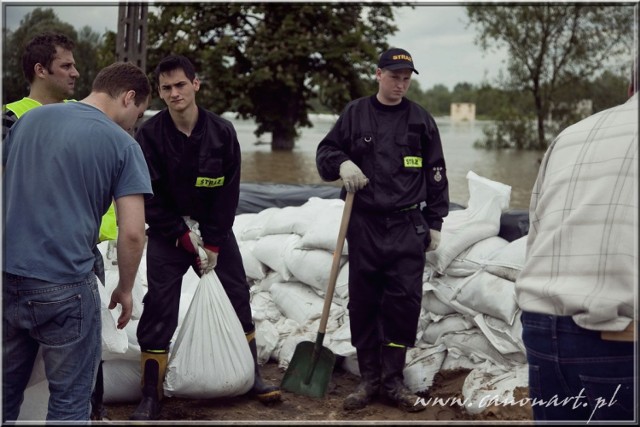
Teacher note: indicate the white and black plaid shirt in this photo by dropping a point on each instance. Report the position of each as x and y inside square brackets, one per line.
[582, 248]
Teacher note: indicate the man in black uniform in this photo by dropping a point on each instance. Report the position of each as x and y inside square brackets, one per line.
[388, 150]
[193, 157]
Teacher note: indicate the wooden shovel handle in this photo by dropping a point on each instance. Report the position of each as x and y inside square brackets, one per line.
[335, 266]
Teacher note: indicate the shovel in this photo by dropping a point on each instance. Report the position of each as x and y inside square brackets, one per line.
[311, 366]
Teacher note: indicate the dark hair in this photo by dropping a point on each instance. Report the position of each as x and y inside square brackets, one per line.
[41, 50]
[121, 77]
[175, 62]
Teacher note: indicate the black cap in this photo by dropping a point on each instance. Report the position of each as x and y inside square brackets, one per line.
[396, 59]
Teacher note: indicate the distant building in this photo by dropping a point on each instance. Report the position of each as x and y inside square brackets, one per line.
[463, 112]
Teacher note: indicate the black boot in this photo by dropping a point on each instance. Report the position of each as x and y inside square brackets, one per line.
[154, 366]
[369, 364]
[393, 360]
[265, 393]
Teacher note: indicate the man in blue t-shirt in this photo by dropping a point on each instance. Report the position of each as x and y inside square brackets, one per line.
[63, 165]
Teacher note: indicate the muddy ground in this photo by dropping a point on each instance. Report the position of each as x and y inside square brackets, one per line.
[296, 409]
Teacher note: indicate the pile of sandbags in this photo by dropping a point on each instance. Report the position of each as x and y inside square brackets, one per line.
[469, 317]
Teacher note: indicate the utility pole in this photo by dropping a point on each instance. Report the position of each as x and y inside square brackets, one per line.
[131, 40]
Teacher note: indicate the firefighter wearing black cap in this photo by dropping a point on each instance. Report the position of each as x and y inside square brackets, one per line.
[193, 158]
[388, 150]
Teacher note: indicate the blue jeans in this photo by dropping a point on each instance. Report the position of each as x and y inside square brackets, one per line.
[576, 375]
[63, 319]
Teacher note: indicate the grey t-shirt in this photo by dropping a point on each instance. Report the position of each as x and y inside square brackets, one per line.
[63, 164]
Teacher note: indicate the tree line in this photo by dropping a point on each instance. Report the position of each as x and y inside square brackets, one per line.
[277, 63]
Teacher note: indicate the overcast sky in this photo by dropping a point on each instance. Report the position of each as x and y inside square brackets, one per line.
[436, 36]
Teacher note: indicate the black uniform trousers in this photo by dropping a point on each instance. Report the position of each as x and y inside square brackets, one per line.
[386, 265]
[166, 266]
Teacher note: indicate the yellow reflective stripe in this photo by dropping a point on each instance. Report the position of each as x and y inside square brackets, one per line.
[392, 344]
[412, 162]
[203, 181]
[22, 106]
[109, 226]
[26, 104]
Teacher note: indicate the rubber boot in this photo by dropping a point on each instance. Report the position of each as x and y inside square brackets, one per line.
[98, 411]
[393, 361]
[154, 366]
[265, 393]
[369, 364]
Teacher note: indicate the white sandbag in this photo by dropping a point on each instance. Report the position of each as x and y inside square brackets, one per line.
[287, 347]
[446, 289]
[133, 349]
[286, 327]
[190, 282]
[508, 261]
[456, 361]
[480, 220]
[253, 229]
[295, 219]
[299, 302]
[262, 306]
[448, 324]
[311, 266]
[422, 366]
[474, 258]
[114, 340]
[485, 293]
[323, 234]
[271, 278]
[267, 337]
[241, 222]
[122, 381]
[334, 322]
[341, 340]
[474, 345]
[484, 388]
[504, 337]
[210, 357]
[272, 250]
[432, 304]
[253, 268]
[350, 364]
[342, 283]
[424, 318]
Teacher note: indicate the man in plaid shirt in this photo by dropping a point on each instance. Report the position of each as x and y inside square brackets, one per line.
[578, 288]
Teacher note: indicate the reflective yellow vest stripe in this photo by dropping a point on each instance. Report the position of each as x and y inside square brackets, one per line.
[22, 106]
[108, 227]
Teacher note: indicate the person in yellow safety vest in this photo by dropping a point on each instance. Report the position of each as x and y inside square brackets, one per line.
[49, 68]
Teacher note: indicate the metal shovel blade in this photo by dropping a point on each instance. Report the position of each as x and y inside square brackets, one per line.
[310, 370]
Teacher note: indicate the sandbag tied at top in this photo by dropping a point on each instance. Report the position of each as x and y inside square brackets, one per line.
[211, 357]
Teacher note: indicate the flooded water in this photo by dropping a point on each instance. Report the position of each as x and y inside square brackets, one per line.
[517, 169]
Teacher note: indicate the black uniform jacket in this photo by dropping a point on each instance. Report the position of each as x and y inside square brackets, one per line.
[398, 148]
[197, 175]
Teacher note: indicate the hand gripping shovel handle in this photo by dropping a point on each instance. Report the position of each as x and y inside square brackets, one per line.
[335, 266]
